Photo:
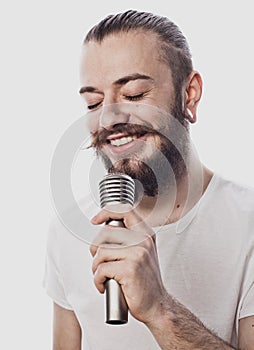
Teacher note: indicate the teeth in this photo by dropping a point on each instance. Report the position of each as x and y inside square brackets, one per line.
[122, 141]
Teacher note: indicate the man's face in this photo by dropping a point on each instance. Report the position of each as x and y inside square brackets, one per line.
[125, 69]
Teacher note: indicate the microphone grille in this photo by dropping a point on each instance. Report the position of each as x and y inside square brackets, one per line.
[116, 188]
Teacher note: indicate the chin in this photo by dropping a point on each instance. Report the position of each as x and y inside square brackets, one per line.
[128, 166]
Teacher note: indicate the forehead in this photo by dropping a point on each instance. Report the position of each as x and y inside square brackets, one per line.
[119, 55]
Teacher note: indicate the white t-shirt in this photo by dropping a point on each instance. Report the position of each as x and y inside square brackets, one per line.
[206, 260]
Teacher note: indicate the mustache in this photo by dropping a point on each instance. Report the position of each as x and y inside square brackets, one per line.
[100, 137]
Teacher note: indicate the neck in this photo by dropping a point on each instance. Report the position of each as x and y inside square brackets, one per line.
[176, 201]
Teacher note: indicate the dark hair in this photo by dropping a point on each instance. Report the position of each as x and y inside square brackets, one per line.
[174, 47]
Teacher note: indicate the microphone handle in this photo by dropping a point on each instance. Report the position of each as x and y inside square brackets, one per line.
[116, 306]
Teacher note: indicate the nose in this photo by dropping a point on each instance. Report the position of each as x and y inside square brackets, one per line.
[113, 114]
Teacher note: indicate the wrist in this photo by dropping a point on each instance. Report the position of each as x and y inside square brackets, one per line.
[162, 314]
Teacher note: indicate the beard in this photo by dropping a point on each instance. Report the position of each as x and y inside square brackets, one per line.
[167, 164]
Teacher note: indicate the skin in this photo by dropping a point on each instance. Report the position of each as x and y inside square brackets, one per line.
[66, 330]
[136, 267]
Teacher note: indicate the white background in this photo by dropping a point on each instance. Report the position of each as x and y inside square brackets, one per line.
[40, 50]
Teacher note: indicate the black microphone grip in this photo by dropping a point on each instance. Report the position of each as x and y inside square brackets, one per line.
[115, 189]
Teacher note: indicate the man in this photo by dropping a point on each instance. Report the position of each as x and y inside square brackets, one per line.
[187, 288]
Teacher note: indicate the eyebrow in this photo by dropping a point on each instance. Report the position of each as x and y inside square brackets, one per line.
[121, 81]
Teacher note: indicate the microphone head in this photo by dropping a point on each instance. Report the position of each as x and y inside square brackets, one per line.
[116, 188]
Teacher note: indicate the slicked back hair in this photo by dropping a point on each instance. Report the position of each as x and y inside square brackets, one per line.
[174, 47]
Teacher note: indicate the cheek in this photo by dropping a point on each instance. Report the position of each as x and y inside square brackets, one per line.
[147, 114]
[152, 144]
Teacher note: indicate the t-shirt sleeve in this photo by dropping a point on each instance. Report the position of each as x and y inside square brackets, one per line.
[52, 281]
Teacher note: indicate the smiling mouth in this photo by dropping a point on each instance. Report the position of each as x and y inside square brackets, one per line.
[120, 140]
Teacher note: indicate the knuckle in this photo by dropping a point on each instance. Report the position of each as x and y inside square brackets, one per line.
[100, 272]
[141, 254]
[148, 239]
[100, 269]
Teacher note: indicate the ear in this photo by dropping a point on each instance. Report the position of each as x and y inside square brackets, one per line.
[193, 93]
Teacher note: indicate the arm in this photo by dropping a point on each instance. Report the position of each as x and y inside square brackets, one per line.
[66, 330]
[135, 267]
[246, 333]
[177, 328]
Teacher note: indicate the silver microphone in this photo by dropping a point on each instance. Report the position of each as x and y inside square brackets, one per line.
[115, 189]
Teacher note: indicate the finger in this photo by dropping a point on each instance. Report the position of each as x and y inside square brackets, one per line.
[118, 212]
[135, 254]
[106, 271]
[104, 254]
[118, 237]
[111, 237]
[138, 258]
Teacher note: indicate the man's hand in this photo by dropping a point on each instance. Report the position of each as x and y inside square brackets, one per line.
[129, 256]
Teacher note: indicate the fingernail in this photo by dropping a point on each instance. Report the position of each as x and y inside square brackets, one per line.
[94, 219]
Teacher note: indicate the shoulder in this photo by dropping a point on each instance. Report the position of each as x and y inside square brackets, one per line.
[230, 206]
[234, 195]
[228, 212]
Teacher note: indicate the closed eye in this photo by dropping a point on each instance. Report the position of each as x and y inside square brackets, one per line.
[91, 107]
[128, 97]
[135, 97]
